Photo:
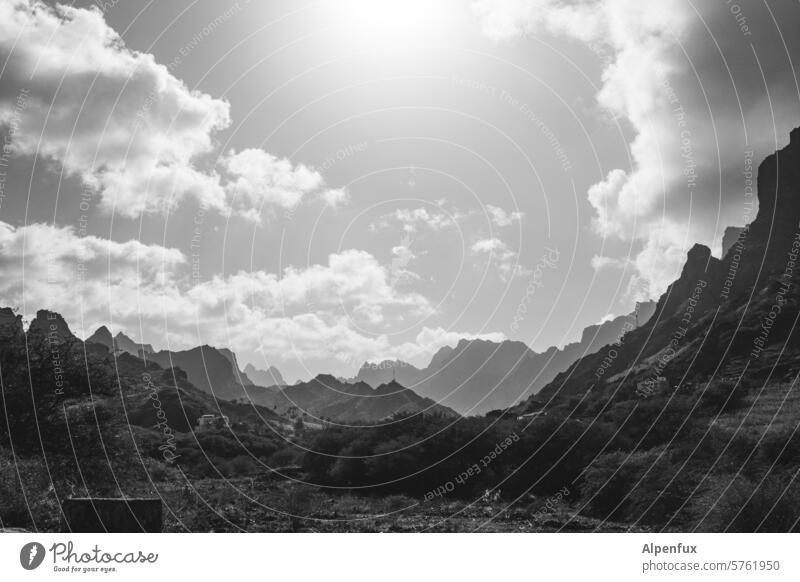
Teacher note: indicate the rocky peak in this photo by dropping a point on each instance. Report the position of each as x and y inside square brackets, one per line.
[10, 323]
[51, 325]
[102, 336]
[699, 284]
[731, 236]
[779, 188]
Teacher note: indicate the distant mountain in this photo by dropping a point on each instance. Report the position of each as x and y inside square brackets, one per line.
[51, 326]
[126, 344]
[477, 376]
[120, 343]
[133, 379]
[210, 369]
[103, 337]
[721, 316]
[269, 377]
[732, 234]
[379, 373]
[329, 397]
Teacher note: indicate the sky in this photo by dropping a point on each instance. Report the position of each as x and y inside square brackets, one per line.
[318, 184]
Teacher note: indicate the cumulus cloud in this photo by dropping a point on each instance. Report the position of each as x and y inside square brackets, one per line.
[315, 312]
[335, 197]
[133, 132]
[499, 254]
[502, 218]
[601, 263]
[412, 219]
[258, 179]
[110, 115]
[431, 339]
[682, 74]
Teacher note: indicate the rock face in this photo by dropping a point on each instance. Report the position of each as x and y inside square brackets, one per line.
[50, 326]
[207, 368]
[10, 324]
[103, 337]
[700, 279]
[720, 315]
[267, 378]
[329, 398]
[732, 234]
[119, 343]
[477, 376]
[126, 344]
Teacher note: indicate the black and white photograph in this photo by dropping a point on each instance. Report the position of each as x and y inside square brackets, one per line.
[284, 267]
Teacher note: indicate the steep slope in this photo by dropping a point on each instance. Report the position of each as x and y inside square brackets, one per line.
[269, 377]
[208, 368]
[477, 376]
[379, 373]
[732, 234]
[120, 343]
[721, 317]
[329, 397]
[126, 344]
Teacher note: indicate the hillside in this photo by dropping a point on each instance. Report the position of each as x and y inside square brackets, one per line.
[477, 376]
[330, 398]
[722, 317]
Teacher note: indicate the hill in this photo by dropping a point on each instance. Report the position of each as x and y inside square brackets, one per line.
[477, 376]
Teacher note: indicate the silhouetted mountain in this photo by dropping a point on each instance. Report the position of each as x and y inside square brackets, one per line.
[389, 370]
[208, 368]
[269, 377]
[477, 376]
[329, 397]
[120, 343]
[10, 324]
[103, 337]
[126, 344]
[50, 325]
[732, 234]
[720, 316]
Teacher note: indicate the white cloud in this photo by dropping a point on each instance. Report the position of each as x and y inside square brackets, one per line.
[315, 312]
[259, 179]
[502, 218]
[694, 114]
[402, 255]
[412, 219]
[133, 132]
[430, 340]
[112, 116]
[335, 197]
[506, 260]
[601, 263]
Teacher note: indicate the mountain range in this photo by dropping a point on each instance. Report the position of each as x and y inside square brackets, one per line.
[215, 372]
[477, 376]
[722, 317]
[727, 299]
[327, 397]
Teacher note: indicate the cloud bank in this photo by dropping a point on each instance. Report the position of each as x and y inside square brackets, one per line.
[682, 75]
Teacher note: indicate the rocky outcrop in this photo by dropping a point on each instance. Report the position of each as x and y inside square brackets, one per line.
[477, 376]
[720, 315]
[731, 236]
[326, 397]
[269, 377]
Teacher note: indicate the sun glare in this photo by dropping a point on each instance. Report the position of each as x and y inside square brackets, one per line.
[389, 24]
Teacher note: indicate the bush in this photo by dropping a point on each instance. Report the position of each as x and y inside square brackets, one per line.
[723, 397]
[747, 506]
[24, 493]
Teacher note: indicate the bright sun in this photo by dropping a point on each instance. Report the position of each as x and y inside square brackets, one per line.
[391, 24]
